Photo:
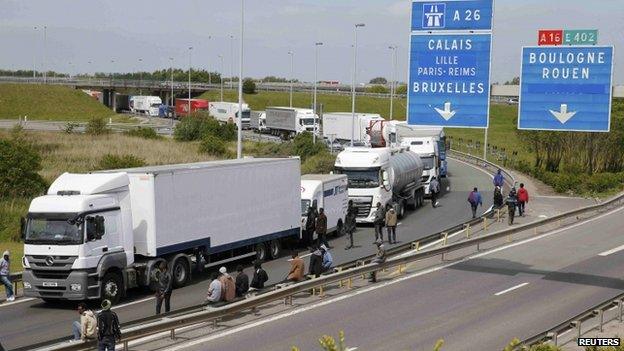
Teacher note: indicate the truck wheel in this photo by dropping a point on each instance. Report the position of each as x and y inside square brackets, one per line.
[339, 229]
[261, 252]
[411, 205]
[111, 287]
[275, 247]
[181, 272]
[401, 209]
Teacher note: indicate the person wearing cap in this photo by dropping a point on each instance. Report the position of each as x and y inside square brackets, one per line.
[380, 257]
[214, 290]
[297, 267]
[5, 271]
[327, 258]
[165, 287]
[108, 328]
[228, 285]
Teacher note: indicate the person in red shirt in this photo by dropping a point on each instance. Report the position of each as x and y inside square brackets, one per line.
[523, 198]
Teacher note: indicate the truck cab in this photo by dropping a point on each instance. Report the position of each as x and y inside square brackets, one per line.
[327, 191]
[78, 239]
[427, 149]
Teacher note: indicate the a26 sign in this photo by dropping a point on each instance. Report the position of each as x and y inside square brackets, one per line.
[550, 37]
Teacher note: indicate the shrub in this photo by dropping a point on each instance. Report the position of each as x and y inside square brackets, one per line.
[97, 126]
[228, 132]
[401, 89]
[212, 145]
[145, 133]
[195, 126]
[70, 127]
[110, 161]
[319, 163]
[19, 164]
[304, 147]
[378, 89]
[249, 86]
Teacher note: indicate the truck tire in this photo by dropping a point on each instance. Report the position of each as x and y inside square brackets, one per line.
[400, 208]
[275, 248]
[261, 252]
[413, 203]
[181, 272]
[111, 287]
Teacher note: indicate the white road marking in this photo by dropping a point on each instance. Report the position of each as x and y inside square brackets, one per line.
[129, 303]
[612, 251]
[511, 289]
[5, 304]
[377, 286]
[542, 216]
[559, 197]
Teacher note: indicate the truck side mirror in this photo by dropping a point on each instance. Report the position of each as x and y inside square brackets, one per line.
[23, 228]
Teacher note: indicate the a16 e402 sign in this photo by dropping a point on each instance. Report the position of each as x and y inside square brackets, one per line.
[554, 37]
[449, 83]
[452, 15]
[566, 88]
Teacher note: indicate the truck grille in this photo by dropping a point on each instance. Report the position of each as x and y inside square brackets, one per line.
[51, 262]
[62, 275]
[363, 205]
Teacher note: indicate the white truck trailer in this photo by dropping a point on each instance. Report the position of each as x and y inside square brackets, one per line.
[381, 175]
[287, 122]
[339, 126]
[94, 236]
[327, 191]
[428, 142]
[227, 112]
[145, 104]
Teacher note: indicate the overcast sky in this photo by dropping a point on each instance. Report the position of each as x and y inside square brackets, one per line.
[102, 31]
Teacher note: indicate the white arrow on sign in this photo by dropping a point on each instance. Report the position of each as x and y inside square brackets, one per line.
[563, 115]
[446, 113]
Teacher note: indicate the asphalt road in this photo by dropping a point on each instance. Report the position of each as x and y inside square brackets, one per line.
[34, 321]
[476, 304]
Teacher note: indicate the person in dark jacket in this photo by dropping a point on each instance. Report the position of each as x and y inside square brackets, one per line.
[242, 282]
[475, 200]
[165, 287]
[380, 217]
[316, 262]
[260, 276]
[498, 197]
[310, 224]
[512, 202]
[321, 228]
[434, 190]
[380, 257]
[108, 328]
[350, 223]
[499, 179]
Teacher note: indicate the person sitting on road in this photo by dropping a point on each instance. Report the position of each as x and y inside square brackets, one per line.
[86, 328]
[327, 259]
[297, 267]
[228, 286]
[380, 257]
[214, 291]
[260, 276]
[316, 262]
[242, 282]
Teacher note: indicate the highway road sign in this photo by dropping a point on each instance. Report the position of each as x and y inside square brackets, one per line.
[452, 15]
[566, 88]
[449, 83]
[550, 37]
[580, 37]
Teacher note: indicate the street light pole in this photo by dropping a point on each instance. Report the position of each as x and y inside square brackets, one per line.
[231, 61]
[140, 77]
[239, 146]
[392, 80]
[45, 70]
[292, 73]
[89, 73]
[189, 82]
[221, 78]
[34, 55]
[354, 80]
[209, 74]
[316, 47]
[172, 102]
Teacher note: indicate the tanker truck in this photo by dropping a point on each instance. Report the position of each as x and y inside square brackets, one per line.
[385, 175]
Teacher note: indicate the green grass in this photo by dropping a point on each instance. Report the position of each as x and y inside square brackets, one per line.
[50, 102]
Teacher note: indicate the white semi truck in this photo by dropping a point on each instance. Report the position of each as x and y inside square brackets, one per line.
[94, 236]
[227, 112]
[340, 126]
[287, 122]
[327, 191]
[148, 105]
[381, 175]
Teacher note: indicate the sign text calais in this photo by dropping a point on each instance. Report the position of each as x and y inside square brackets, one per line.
[566, 88]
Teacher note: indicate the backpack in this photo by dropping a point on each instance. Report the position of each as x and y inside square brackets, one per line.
[472, 198]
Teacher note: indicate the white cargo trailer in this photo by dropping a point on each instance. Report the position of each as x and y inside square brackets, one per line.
[227, 112]
[327, 191]
[288, 121]
[148, 105]
[96, 235]
[339, 126]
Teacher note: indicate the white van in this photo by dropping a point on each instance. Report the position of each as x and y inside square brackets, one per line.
[328, 191]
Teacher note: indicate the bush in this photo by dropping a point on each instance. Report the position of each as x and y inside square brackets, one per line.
[110, 161]
[97, 126]
[212, 145]
[378, 89]
[145, 133]
[304, 147]
[195, 126]
[228, 132]
[401, 89]
[249, 86]
[19, 164]
[70, 127]
[320, 163]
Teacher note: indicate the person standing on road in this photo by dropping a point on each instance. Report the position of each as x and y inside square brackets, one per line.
[391, 224]
[214, 290]
[380, 216]
[310, 225]
[86, 328]
[498, 197]
[434, 190]
[5, 271]
[165, 287]
[242, 282]
[228, 286]
[380, 257]
[260, 276]
[350, 223]
[475, 200]
[512, 202]
[297, 267]
[321, 228]
[499, 179]
[523, 198]
[108, 328]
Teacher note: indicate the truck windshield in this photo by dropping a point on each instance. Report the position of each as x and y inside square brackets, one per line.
[155, 105]
[362, 179]
[53, 230]
[428, 162]
[305, 204]
[307, 121]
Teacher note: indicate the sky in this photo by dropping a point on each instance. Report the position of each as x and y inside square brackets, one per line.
[134, 35]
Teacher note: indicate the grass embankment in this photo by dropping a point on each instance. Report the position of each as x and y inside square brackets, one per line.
[51, 103]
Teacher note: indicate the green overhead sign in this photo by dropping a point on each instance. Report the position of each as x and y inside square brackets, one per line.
[580, 37]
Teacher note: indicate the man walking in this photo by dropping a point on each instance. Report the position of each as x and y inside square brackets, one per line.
[321, 228]
[5, 271]
[391, 224]
[475, 200]
[85, 329]
[512, 202]
[523, 198]
[165, 287]
[380, 216]
[499, 179]
[310, 225]
[350, 223]
[434, 189]
[108, 328]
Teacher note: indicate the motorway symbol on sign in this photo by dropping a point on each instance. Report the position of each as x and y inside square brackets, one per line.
[566, 88]
[452, 15]
[449, 83]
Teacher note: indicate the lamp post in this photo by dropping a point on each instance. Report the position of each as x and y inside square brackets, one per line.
[172, 102]
[359, 25]
[292, 73]
[189, 82]
[34, 55]
[89, 73]
[239, 146]
[140, 77]
[316, 47]
[221, 78]
[231, 61]
[43, 66]
[392, 79]
[209, 74]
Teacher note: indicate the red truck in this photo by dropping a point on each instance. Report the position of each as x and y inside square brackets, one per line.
[182, 106]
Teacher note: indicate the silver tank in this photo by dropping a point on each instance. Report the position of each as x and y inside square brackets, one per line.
[407, 168]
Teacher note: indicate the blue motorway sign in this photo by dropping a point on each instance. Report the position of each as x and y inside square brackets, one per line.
[566, 88]
[449, 83]
[452, 15]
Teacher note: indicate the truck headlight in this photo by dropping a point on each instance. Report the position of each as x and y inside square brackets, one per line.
[25, 263]
[27, 285]
[75, 287]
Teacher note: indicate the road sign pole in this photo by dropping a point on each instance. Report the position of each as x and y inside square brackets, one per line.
[485, 143]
